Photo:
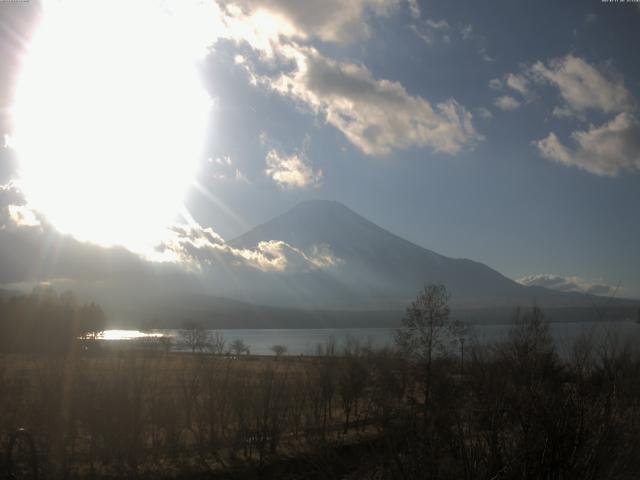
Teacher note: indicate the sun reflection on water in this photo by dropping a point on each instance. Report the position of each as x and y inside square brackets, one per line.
[127, 335]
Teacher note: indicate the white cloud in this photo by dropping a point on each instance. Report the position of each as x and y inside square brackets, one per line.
[582, 86]
[552, 148]
[10, 194]
[201, 248]
[377, 116]
[291, 171]
[23, 216]
[507, 103]
[518, 83]
[329, 20]
[484, 112]
[495, 84]
[565, 284]
[25, 235]
[562, 112]
[439, 24]
[223, 168]
[607, 149]
[604, 150]
[14, 211]
[414, 8]
[432, 30]
[482, 51]
[424, 33]
[241, 177]
[466, 32]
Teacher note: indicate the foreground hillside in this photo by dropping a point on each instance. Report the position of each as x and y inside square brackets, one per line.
[351, 412]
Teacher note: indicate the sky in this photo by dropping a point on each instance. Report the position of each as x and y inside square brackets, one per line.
[507, 132]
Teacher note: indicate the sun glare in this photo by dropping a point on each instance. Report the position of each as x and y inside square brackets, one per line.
[110, 116]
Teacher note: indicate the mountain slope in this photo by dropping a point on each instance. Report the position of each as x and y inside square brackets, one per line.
[379, 269]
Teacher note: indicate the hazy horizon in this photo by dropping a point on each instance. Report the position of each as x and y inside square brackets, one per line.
[505, 134]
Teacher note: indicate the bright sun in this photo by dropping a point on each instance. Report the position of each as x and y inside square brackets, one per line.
[110, 115]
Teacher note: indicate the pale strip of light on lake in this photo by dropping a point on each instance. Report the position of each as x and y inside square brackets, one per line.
[306, 341]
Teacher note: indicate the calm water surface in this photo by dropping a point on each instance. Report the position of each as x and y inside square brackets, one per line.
[306, 341]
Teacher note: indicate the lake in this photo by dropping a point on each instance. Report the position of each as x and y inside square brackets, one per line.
[306, 341]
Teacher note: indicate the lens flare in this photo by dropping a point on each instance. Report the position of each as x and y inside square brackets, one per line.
[109, 116]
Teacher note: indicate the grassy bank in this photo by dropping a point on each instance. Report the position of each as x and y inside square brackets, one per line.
[509, 410]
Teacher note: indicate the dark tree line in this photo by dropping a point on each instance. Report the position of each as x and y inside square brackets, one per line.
[46, 321]
[513, 409]
[517, 410]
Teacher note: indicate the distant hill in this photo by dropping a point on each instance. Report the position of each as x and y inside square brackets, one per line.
[222, 313]
[377, 275]
[218, 312]
[4, 294]
[378, 269]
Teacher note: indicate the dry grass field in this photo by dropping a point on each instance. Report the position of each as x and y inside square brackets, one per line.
[127, 411]
[510, 410]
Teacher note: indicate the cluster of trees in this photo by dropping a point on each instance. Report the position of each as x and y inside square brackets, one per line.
[196, 339]
[46, 321]
[513, 409]
[425, 409]
[152, 414]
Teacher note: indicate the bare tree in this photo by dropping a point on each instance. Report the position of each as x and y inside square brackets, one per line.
[279, 350]
[424, 331]
[91, 318]
[195, 337]
[238, 347]
[352, 381]
[217, 343]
